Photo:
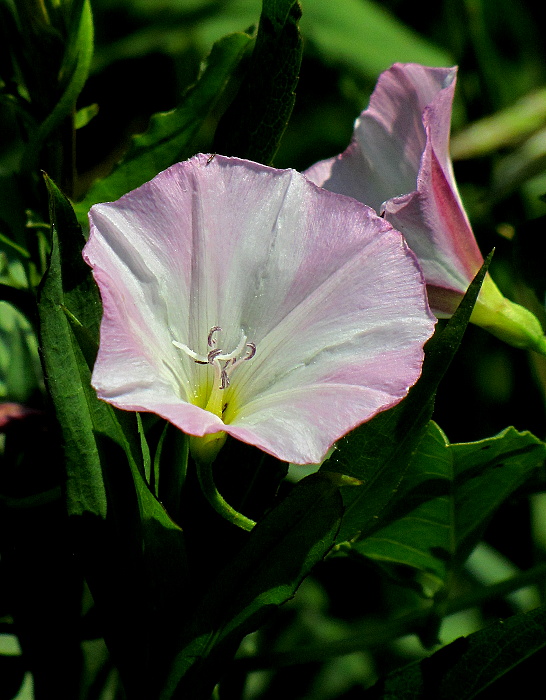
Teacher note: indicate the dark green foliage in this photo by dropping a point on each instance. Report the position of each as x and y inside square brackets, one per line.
[254, 123]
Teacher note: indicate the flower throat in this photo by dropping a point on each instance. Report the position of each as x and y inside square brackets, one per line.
[223, 364]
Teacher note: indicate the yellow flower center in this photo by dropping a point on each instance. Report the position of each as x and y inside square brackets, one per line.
[223, 364]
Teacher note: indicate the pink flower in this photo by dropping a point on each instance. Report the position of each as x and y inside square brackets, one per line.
[13, 412]
[398, 162]
[244, 300]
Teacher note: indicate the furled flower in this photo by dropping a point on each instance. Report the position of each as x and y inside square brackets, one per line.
[245, 300]
[398, 162]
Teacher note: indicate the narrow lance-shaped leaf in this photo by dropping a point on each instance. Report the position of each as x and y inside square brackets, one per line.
[170, 136]
[253, 125]
[132, 551]
[76, 64]
[73, 397]
[68, 296]
[417, 527]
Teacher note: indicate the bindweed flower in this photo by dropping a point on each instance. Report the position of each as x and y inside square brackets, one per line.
[398, 162]
[243, 300]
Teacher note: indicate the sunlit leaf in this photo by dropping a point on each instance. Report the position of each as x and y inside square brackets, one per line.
[502, 129]
[365, 37]
[515, 169]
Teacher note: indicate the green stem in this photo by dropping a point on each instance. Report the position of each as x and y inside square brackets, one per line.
[222, 507]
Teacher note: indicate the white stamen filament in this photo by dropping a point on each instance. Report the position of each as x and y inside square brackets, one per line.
[191, 353]
[216, 356]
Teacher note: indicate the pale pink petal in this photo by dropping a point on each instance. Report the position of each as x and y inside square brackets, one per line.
[437, 229]
[399, 163]
[326, 290]
[384, 157]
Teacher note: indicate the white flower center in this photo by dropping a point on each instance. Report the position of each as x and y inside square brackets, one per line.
[223, 362]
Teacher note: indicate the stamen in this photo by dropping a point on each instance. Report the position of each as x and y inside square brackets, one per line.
[216, 356]
[235, 353]
[251, 351]
[224, 379]
[194, 356]
[210, 339]
[213, 355]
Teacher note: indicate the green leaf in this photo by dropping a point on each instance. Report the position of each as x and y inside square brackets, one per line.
[279, 552]
[69, 292]
[503, 129]
[468, 666]
[253, 125]
[19, 362]
[364, 36]
[514, 169]
[459, 487]
[146, 458]
[74, 72]
[68, 283]
[378, 452]
[418, 536]
[133, 553]
[84, 115]
[13, 243]
[170, 136]
[486, 473]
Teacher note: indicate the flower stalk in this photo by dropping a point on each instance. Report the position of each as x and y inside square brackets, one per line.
[204, 458]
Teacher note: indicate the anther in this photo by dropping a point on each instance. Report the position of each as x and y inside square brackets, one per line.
[213, 354]
[210, 338]
[251, 351]
[216, 356]
[224, 379]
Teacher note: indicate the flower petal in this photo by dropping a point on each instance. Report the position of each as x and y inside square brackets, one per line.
[328, 292]
[399, 163]
[384, 157]
[437, 230]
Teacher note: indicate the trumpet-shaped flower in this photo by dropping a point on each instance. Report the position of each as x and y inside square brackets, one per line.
[243, 300]
[398, 162]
